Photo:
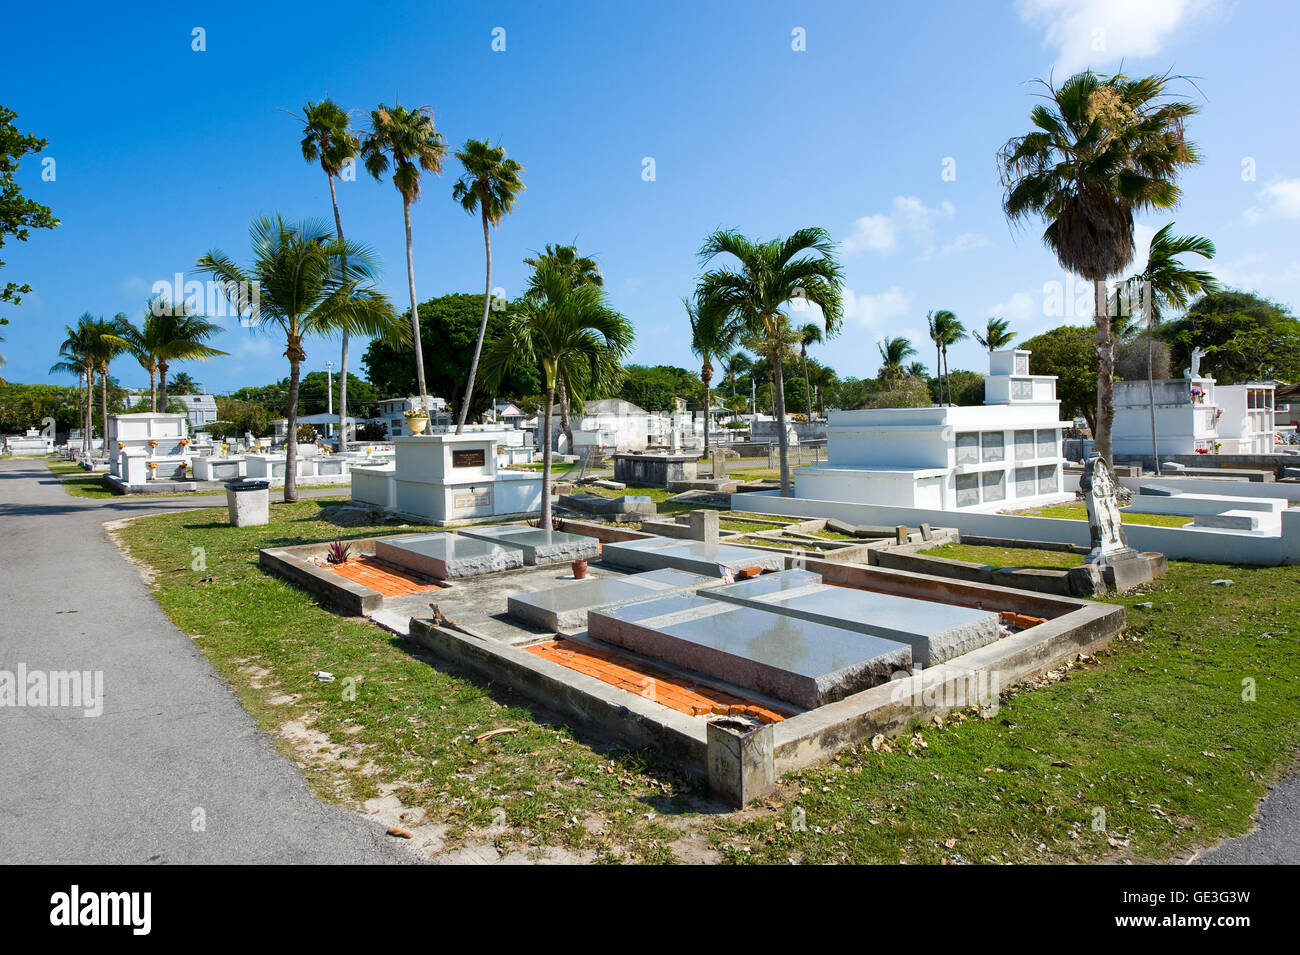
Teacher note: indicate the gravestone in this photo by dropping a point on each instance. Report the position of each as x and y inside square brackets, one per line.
[538, 545]
[1123, 568]
[443, 556]
[719, 464]
[704, 525]
[565, 608]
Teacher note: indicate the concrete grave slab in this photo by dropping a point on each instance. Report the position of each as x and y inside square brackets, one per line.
[935, 631]
[564, 609]
[799, 661]
[539, 546]
[444, 556]
[653, 553]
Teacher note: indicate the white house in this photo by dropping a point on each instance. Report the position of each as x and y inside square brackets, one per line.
[392, 413]
[1003, 454]
[1194, 414]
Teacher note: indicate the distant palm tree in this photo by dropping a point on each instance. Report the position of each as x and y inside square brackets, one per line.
[1102, 148]
[1164, 284]
[809, 334]
[772, 274]
[735, 365]
[310, 285]
[183, 384]
[893, 352]
[917, 369]
[823, 377]
[953, 332]
[569, 332]
[406, 139]
[491, 186]
[106, 346]
[77, 357]
[997, 335]
[328, 139]
[711, 336]
[167, 333]
[581, 270]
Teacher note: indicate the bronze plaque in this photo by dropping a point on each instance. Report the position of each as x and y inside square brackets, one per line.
[469, 459]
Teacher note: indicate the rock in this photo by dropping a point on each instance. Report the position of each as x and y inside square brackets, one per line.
[1147, 605]
[1221, 582]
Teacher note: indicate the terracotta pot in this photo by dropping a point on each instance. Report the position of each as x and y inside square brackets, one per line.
[579, 569]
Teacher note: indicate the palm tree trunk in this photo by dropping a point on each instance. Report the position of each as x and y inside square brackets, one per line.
[1151, 395]
[947, 380]
[153, 390]
[1105, 373]
[782, 439]
[807, 391]
[565, 425]
[291, 439]
[415, 315]
[938, 368]
[103, 405]
[482, 325]
[545, 522]
[343, 362]
[162, 386]
[89, 411]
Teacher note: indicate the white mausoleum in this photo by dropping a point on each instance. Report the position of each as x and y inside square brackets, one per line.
[1194, 414]
[1000, 455]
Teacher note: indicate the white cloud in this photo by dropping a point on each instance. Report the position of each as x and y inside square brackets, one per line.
[965, 242]
[1019, 308]
[1279, 199]
[1100, 33]
[908, 217]
[873, 311]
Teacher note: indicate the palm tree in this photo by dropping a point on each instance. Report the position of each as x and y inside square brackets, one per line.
[104, 348]
[997, 334]
[168, 332]
[823, 377]
[735, 365]
[934, 323]
[917, 369]
[407, 140]
[569, 332]
[77, 357]
[1165, 283]
[328, 139]
[771, 274]
[491, 186]
[581, 270]
[1102, 148]
[309, 284]
[893, 352]
[711, 336]
[184, 384]
[809, 334]
[953, 332]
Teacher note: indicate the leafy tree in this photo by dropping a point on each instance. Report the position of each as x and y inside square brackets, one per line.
[1102, 148]
[809, 334]
[23, 406]
[656, 388]
[491, 187]
[964, 388]
[311, 285]
[770, 275]
[448, 329]
[243, 417]
[569, 332]
[906, 392]
[1070, 353]
[1245, 338]
[406, 140]
[18, 214]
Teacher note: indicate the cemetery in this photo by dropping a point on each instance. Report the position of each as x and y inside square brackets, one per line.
[736, 663]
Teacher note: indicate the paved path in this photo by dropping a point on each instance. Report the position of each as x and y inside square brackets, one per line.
[1275, 840]
[123, 787]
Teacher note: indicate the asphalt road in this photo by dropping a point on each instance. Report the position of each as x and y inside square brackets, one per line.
[172, 744]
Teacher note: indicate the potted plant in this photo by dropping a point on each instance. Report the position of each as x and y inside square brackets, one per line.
[417, 419]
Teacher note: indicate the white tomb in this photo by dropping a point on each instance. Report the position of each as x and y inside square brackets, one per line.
[1003, 454]
[445, 477]
[164, 437]
[1194, 415]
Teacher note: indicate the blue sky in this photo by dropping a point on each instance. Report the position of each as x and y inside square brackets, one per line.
[162, 153]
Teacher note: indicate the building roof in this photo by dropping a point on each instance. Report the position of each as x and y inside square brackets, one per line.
[612, 406]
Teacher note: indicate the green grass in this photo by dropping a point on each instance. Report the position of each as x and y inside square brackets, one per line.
[1078, 512]
[1155, 733]
[1007, 556]
[78, 482]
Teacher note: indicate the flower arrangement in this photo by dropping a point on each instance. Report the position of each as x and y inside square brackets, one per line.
[152, 465]
[1217, 445]
[153, 444]
[185, 442]
[415, 413]
[120, 445]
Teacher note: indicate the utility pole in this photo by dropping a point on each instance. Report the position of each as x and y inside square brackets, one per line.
[329, 386]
